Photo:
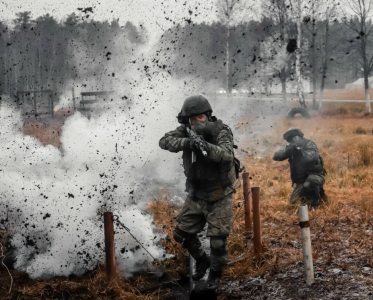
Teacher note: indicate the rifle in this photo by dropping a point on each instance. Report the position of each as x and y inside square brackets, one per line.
[198, 142]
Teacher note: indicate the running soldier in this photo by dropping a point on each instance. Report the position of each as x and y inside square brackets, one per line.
[306, 167]
[211, 172]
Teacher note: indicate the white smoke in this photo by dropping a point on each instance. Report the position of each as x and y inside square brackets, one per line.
[51, 199]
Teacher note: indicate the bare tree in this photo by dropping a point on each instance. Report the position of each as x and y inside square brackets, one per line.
[279, 11]
[228, 11]
[328, 15]
[358, 19]
[312, 25]
[298, 8]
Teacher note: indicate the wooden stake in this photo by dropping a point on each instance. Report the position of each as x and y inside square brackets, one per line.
[109, 245]
[247, 206]
[257, 224]
[74, 99]
[34, 98]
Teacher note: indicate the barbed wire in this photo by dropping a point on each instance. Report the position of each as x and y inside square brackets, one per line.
[116, 219]
[2, 257]
[291, 226]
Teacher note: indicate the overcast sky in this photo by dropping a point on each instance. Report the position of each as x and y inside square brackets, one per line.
[154, 14]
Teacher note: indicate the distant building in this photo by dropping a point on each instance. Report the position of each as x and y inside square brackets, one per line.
[358, 84]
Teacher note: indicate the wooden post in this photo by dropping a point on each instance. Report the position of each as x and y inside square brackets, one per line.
[52, 104]
[34, 96]
[109, 245]
[306, 243]
[74, 98]
[256, 218]
[247, 205]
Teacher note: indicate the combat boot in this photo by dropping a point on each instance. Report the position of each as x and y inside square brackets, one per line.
[213, 281]
[202, 264]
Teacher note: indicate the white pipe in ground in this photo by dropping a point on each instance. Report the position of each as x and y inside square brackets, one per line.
[306, 243]
[192, 265]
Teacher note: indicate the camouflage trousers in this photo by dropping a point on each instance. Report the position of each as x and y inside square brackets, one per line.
[311, 189]
[192, 219]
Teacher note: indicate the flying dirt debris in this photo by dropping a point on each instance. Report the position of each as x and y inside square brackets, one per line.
[130, 65]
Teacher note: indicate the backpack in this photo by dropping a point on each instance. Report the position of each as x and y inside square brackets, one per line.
[318, 167]
[237, 163]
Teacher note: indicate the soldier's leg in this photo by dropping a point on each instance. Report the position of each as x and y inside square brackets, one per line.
[297, 193]
[219, 253]
[190, 221]
[219, 218]
[190, 242]
[313, 188]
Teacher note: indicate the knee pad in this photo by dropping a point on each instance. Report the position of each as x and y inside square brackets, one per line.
[307, 186]
[311, 189]
[218, 245]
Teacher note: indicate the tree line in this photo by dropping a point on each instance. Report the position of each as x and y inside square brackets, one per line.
[45, 54]
[334, 49]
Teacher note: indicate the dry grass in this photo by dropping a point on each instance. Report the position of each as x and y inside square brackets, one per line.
[94, 285]
[46, 129]
[340, 228]
[348, 158]
[342, 94]
[342, 110]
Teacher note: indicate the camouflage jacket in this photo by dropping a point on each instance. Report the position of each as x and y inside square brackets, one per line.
[304, 160]
[212, 177]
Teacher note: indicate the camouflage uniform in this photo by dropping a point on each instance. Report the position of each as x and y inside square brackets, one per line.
[209, 184]
[306, 170]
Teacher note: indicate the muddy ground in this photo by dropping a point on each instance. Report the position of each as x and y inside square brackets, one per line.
[340, 279]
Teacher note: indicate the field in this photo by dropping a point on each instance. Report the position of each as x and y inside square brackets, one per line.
[343, 94]
[336, 94]
[341, 229]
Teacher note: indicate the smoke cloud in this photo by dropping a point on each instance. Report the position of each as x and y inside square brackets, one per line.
[52, 199]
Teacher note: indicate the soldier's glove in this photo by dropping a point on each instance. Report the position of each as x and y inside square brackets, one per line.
[289, 150]
[189, 145]
[293, 150]
[199, 143]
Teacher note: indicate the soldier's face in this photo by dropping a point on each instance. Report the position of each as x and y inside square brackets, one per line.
[198, 123]
[294, 139]
[200, 118]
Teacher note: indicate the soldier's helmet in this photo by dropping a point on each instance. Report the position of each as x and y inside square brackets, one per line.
[193, 106]
[292, 132]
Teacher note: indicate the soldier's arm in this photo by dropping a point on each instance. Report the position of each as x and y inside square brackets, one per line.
[283, 154]
[175, 140]
[310, 151]
[223, 151]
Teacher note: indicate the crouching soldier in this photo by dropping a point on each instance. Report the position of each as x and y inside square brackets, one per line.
[306, 167]
[210, 170]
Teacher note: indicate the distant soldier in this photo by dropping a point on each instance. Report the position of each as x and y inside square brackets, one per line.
[210, 170]
[306, 167]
